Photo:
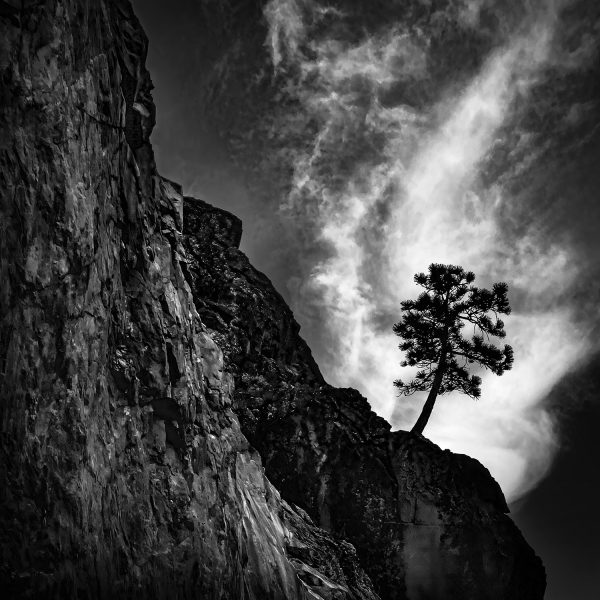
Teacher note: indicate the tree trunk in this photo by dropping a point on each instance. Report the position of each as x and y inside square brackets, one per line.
[419, 426]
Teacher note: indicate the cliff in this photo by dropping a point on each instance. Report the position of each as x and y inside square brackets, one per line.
[136, 337]
[124, 472]
[426, 523]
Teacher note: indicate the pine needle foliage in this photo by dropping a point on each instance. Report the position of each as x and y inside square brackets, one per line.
[446, 329]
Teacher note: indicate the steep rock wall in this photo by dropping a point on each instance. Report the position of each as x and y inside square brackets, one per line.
[124, 473]
[427, 524]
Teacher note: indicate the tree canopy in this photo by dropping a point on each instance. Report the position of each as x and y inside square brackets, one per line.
[433, 331]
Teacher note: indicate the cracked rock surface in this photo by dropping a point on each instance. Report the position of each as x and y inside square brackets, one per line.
[124, 472]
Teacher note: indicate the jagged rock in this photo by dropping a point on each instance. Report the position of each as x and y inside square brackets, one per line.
[124, 473]
[426, 523]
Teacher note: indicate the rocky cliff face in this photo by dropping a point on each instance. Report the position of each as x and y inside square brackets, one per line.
[134, 336]
[124, 472]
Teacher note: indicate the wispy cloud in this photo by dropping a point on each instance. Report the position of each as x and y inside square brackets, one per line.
[392, 188]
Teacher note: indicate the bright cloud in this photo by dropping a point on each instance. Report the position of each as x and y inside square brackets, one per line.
[419, 202]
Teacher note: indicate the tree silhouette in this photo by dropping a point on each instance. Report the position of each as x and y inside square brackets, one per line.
[432, 327]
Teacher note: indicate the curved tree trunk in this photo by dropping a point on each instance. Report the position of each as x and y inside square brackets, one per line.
[419, 426]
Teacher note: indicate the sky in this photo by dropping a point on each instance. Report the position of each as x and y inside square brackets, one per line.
[467, 134]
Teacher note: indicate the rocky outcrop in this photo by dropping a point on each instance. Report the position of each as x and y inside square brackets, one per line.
[124, 473]
[426, 523]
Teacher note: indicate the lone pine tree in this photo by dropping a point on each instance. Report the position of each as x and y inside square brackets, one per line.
[432, 332]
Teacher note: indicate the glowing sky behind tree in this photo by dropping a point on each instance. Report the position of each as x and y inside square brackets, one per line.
[419, 200]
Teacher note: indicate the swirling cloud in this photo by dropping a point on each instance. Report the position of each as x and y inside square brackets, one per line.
[390, 184]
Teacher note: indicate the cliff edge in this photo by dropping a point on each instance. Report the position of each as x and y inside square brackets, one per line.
[124, 473]
[426, 523]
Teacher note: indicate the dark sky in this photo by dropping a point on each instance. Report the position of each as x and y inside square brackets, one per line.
[548, 170]
[558, 518]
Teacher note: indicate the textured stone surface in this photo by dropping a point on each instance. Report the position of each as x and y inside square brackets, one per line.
[124, 473]
[426, 523]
